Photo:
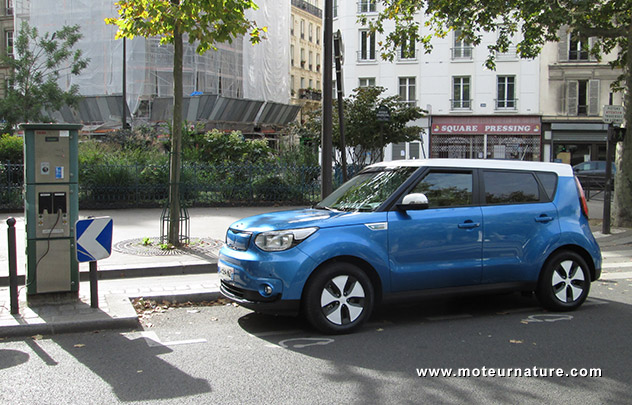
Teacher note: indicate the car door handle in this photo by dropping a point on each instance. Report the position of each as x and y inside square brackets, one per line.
[543, 219]
[469, 224]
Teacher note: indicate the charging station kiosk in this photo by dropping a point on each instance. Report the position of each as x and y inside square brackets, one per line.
[51, 207]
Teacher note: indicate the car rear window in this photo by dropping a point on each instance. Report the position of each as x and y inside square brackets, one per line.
[504, 187]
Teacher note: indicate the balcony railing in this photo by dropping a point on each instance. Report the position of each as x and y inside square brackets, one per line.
[366, 56]
[506, 104]
[309, 94]
[460, 104]
[310, 8]
[462, 53]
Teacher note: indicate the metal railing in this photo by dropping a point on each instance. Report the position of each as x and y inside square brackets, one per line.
[310, 8]
[120, 186]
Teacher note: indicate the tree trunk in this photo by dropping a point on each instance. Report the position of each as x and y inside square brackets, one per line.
[173, 234]
[622, 211]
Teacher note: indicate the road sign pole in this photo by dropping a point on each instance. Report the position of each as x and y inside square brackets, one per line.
[94, 288]
[607, 195]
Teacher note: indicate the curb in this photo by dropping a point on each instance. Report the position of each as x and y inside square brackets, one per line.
[135, 272]
[121, 316]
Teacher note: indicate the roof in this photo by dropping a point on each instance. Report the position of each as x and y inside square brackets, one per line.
[561, 169]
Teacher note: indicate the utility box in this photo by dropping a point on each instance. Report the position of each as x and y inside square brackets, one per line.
[51, 207]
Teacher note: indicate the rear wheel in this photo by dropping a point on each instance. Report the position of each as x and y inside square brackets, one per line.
[338, 299]
[564, 283]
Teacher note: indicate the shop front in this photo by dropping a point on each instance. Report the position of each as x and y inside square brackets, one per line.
[517, 138]
[575, 142]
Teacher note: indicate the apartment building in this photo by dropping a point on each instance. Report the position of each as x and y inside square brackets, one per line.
[472, 112]
[6, 27]
[306, 50]
[573, 90]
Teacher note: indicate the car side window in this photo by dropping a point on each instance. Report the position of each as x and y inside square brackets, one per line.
[446, 189]
[510, 187]
[549, 182]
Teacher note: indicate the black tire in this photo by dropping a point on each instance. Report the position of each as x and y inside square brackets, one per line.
[564, 282]
[338, 298]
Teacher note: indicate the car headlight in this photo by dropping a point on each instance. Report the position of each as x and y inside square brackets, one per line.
[276, 241]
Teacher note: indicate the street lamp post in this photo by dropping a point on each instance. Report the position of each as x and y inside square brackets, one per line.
[327, 123]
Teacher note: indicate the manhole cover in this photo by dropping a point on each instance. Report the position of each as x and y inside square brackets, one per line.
[152, 247]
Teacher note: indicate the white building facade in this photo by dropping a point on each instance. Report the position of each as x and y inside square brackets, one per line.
[473, 112]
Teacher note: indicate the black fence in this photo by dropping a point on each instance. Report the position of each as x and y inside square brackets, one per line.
[593, 185]
[121, 186]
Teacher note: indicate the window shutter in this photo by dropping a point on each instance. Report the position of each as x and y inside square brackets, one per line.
[591, 43]
[593, 97]
[563, 45]
[571, 98]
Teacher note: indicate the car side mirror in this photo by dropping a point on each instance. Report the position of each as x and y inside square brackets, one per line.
[414, 201]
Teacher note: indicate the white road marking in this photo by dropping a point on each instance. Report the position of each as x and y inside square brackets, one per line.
[152, 339]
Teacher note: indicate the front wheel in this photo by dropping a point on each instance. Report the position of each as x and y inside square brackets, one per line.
[338, 299]
[564, 283]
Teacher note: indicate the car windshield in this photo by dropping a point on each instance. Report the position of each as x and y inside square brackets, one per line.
[368, 190]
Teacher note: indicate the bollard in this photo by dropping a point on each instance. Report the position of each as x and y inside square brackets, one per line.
[13, 267]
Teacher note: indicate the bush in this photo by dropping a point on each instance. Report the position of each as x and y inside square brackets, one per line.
[11, 149]
[275, 188]
[217, 147]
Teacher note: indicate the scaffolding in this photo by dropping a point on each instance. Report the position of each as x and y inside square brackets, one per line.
[234, 70]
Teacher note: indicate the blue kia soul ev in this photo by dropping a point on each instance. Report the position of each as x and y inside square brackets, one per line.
[407, 228]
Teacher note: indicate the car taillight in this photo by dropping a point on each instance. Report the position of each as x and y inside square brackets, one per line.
[582, 197]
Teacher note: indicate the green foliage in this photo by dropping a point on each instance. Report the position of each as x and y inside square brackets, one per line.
[34, 72]
[216, 147]
[11, 149]
[364, 133]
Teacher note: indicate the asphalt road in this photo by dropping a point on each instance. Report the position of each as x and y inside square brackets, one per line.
[229, 355]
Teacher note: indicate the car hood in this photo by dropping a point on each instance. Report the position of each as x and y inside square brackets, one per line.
[303, 218]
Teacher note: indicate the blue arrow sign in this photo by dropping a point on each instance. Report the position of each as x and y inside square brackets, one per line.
[94, 239]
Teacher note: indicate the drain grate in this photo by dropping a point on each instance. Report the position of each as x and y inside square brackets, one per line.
[151, 247]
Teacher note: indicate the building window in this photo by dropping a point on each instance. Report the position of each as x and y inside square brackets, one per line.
[367, 45]
[9, 7]
[461, 93]
[292, 87]
[302, 83]
[407, 50]
[407, 90]
[302, 29]
[302, 57]
[9, 42]
[292, 55]
[506, 92]
[311, 32]
[577, 47]
[311, 60]
[317, 35]
[582, 97]
[366, 82]
[292, 27]
[318, 62]
[335, 9]
[462, 49]
[366, 6]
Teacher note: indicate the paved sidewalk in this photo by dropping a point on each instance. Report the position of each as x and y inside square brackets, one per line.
[187, 276]
[131, 271]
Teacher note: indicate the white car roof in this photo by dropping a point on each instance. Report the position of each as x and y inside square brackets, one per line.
[561, 169]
